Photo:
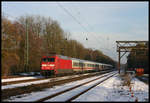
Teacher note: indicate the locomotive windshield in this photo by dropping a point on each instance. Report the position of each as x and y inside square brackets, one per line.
[48, 59]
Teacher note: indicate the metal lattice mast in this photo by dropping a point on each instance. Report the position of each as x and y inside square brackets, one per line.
[26, 53]
[27, 48]
[128, 46]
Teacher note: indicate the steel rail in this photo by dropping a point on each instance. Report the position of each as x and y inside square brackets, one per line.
[69, 89]
[36, 79]
[76, 96]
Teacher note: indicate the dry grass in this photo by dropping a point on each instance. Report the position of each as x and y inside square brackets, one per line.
[126, 79]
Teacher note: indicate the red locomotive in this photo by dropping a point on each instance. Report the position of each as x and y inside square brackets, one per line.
[58, 64]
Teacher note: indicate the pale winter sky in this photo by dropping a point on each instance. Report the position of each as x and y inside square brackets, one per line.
[102, 23]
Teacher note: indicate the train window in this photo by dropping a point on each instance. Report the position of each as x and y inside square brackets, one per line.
[75, 64]
[89, 65]
[51, 59]
[81, 64]
[48, 59]
[44, 59]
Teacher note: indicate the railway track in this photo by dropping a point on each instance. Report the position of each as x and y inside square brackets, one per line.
[30, 79]
[26, 81]
[28, 87]
[143, 79]
[13, 79]
[66, 91]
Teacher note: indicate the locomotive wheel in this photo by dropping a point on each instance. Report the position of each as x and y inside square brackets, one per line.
[47, 73]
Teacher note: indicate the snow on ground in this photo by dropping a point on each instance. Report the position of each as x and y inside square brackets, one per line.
[40, 94]
[36, 82]
[24, 84]
[25, 78]
[112, 90]
[67, 95]
[29, 73]
[30, 77]
[21, 78]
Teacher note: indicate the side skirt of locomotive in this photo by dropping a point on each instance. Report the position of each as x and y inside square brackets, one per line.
[47, 73]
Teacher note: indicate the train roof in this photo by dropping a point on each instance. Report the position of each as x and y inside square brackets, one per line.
[80, 60]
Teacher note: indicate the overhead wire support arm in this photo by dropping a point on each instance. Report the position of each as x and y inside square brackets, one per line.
[128, 46]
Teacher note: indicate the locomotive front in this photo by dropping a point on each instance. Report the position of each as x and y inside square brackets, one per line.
[48, 65]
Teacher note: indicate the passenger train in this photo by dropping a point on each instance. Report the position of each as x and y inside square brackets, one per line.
[58, 64]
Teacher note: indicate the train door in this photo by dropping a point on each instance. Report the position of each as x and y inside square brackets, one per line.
[81, 66]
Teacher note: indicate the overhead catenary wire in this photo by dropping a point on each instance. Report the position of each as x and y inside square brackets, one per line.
[84, 20]
[91, 27]
[67, 11]
[72, 16]
[107, 49]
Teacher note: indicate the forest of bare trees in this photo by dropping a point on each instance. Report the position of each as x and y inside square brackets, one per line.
[45, 36]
